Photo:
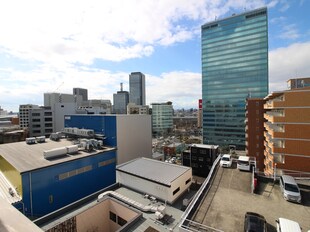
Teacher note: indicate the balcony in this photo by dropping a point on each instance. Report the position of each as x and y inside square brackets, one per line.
[275, 102]
[274, 116]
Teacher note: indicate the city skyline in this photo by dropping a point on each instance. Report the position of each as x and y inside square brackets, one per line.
[97, 45]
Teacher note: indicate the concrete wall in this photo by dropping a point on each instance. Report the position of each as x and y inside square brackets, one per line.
[134, 137]
[181, 183]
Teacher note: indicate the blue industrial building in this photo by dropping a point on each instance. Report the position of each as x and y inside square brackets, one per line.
[45, 185]
[130, 134]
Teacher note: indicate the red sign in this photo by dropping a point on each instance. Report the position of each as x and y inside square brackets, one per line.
[200, 103]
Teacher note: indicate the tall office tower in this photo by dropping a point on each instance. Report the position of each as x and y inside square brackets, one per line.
[137, 88]
[120, 101]
[82, 92]
[234, 67]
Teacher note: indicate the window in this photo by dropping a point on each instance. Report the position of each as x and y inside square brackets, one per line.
[200, 159]
[74, 172]
[203, 151]
[121, 221]
[106, 162]
[189, 180]
[51, 199]
[36, 120]
[113, 216]
[176, 190]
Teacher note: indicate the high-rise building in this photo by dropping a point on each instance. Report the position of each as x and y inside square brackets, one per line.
[234, 67]
[137, 88]
[162, 118]
[82, 92]
[120, 101]
[287, 135]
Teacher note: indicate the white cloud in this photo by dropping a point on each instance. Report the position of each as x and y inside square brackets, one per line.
[182, 88]
[290, 32]
[288, 62]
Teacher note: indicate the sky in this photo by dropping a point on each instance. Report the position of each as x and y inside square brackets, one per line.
[55, 46]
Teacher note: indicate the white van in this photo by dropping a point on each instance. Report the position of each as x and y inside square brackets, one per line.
[286, 225]
[290, 189]
[244, 163]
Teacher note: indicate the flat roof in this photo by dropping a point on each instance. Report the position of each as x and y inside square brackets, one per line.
[229, 197]
[205, 146]
[154, 170]
[234, 15]
[26, 157]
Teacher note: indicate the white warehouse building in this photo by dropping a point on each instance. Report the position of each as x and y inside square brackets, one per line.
[164, 181]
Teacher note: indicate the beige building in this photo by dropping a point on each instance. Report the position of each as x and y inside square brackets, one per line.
[287, 135]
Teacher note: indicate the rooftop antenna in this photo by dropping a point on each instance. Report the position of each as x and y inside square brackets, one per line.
[121, 86]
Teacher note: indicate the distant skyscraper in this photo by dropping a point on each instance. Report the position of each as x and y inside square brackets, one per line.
[137, 88]
[234, 66]
[82, 92]
[120, 101]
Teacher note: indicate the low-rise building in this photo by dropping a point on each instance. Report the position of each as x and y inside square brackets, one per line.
[162, 180]
[200, 158]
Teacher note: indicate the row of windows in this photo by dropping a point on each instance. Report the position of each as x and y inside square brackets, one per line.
[233, 34]
[236, 62]
[219, 89]
[84, 169]
[117, 219]
[75, 172]
[218, 73]
[235, 89]
[234, 41]
[232, 64]
[227, 30]
[236, 78]
[240, 52]
[233, 23]
[106, 162]
[241, 46]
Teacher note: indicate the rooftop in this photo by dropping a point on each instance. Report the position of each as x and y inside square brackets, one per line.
[229, 197]
[25, 157]
[158, 171]
[205, 146]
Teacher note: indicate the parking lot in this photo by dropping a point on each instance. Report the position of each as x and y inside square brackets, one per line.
[230, 198]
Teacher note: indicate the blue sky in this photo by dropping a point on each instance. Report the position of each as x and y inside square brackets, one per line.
[54, 46]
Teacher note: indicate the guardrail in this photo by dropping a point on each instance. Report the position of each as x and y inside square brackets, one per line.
[204, 189]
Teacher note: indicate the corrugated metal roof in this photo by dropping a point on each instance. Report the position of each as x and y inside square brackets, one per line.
[153, 170]
[24, 157]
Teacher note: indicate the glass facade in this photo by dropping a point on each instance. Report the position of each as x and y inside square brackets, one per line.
[234, 67]
[162, 118]
[137, 88]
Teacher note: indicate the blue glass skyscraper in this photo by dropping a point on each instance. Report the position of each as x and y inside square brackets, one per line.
[234, 67]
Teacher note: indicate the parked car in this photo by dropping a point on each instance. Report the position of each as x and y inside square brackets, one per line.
[290, 189]
[243, 163]
[254, 222]
[226, 161]
[286, 225]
